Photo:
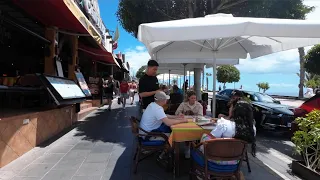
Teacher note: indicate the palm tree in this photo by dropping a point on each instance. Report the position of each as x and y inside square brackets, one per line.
[259, 86]
[264, 86]
[207, 79]
[302, 71]
[309, 77]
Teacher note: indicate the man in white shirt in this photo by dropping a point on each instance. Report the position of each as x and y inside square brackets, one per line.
[154, 118]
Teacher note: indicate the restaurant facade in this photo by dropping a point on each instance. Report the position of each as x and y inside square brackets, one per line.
[54, 59]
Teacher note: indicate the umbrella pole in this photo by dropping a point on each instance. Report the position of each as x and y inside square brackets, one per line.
[202, 86]
[163, 78]
[214, 74]
[184, 80]
[169, 78]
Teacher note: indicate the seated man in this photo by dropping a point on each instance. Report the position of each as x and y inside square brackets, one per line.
[154, 118]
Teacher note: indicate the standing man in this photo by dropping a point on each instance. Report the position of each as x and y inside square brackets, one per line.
[148, 84]
[109, 88]
[186, 85]
[124, 89]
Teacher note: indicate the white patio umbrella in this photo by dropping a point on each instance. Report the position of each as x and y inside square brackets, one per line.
[223, 36]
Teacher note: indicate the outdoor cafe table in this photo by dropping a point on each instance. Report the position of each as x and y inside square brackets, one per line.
[182, 133]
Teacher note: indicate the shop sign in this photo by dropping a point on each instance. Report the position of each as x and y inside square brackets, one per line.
[91, 8]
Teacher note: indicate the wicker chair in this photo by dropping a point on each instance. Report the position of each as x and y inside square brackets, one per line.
[222, 149]
[146, 148]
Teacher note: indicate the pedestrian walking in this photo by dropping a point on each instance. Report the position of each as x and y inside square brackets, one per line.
[124, 90]
[109, 88]
[132, 91]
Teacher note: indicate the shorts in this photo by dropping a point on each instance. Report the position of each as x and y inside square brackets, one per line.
[124, 95]
[131, 93]
[164, 129]
[109, 96]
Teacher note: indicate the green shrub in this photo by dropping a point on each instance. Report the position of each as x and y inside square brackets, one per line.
[307, 139]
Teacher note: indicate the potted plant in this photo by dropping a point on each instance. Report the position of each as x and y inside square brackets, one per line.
[307, 141]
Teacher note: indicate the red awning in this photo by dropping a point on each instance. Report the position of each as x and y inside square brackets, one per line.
[52, 13]
[97, 54]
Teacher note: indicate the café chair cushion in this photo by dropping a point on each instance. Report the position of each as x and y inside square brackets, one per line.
[213, 166]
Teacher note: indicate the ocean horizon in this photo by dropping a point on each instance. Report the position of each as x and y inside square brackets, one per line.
[281, 88]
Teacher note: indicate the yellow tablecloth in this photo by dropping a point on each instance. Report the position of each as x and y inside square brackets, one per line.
[186, 132]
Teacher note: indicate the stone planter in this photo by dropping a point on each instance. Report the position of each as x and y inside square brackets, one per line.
[301, 170]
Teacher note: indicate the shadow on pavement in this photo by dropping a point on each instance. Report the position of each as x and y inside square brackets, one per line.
[279, 142]
[112, 127]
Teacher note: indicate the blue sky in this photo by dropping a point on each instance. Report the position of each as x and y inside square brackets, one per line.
[278, 69]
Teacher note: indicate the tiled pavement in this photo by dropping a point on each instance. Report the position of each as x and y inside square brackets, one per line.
[100, 148]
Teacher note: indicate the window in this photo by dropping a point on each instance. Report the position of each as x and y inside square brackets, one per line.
[251, 96]
[226, 92]
[264, 98]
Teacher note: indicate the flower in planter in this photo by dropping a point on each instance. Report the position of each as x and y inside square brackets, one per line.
[307, 139]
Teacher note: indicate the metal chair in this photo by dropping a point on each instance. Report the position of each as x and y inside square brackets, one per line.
[146, 148]
[206, 166]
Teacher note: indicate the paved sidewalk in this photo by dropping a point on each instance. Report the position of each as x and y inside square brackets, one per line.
[101, 148]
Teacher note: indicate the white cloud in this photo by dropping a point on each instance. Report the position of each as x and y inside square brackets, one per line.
[137, 57]
[316, 13]
[140, 48]
[282, 62]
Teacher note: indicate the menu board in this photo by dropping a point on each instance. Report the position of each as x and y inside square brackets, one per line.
[59, 68]
[67, 89]
[82, 83]
[94, 85]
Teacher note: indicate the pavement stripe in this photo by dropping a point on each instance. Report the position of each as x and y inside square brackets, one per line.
[282, 158]
[277, 172]
[276, 153]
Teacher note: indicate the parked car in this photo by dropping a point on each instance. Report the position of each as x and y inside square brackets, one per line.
[269, 113]
[305, 108]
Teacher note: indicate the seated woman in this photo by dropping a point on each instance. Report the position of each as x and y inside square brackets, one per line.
[236, 96]
[191, 106]
[241, 126]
